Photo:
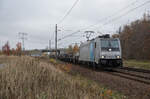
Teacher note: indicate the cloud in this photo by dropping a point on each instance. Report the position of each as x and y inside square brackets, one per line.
[38, 19]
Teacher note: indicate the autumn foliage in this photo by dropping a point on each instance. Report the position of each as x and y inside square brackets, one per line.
[135, 39]
[73, 49]
[18, 49]
[8, 51]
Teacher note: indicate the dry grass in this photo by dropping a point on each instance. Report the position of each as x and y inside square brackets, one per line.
[28, 78]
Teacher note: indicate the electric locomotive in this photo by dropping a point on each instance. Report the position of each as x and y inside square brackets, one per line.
[102, 51]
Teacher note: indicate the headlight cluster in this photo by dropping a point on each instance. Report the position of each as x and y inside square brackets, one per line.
[110, 57]
[102, 57]
[118, 57]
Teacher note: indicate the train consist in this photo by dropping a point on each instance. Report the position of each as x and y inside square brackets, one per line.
[103, 51]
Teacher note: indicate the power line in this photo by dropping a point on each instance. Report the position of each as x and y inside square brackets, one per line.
[129, 11]
[109, 16]
[126, 13]
[103, 19]
[69, 11]
[114, 14]
[68, 35]
[68, 41]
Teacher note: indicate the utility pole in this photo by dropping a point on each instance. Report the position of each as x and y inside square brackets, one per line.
[49, 47]
[56, 40]
[23, 37]
[49, 44]
[0, 46]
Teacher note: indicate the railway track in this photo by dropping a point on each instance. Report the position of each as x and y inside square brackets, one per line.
[136, 69]
[135, 74]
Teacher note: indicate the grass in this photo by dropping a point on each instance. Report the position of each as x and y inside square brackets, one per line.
[106, 93]
[29, 78]
[137, 64]
[4, 59]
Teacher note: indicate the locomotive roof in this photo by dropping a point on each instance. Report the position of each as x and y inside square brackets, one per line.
[87, 42]
[110, 38]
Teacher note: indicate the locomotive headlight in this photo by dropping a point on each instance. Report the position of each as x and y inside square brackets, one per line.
[102, 56]
[118, 56]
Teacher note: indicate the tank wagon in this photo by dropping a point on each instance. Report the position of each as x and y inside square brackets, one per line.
[102, 51]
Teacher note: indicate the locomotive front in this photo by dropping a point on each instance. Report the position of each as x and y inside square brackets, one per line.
[110, 52]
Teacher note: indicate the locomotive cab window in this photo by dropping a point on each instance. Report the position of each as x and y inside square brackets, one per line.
[112, 44]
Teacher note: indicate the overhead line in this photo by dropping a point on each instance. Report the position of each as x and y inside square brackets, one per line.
[131, 10]
[114, 14]
[68, 35]
[103, 19]
[111, 20]
[69, 11]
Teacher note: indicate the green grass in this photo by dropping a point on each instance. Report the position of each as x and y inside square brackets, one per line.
[137, 64]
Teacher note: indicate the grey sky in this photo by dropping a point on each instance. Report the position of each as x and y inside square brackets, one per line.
[38, 19]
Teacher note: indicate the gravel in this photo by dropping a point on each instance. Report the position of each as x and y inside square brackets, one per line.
[131, 89]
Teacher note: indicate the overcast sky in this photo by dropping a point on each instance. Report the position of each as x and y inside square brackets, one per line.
[38, 19]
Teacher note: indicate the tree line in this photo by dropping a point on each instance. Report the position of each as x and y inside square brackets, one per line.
[135, 39]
